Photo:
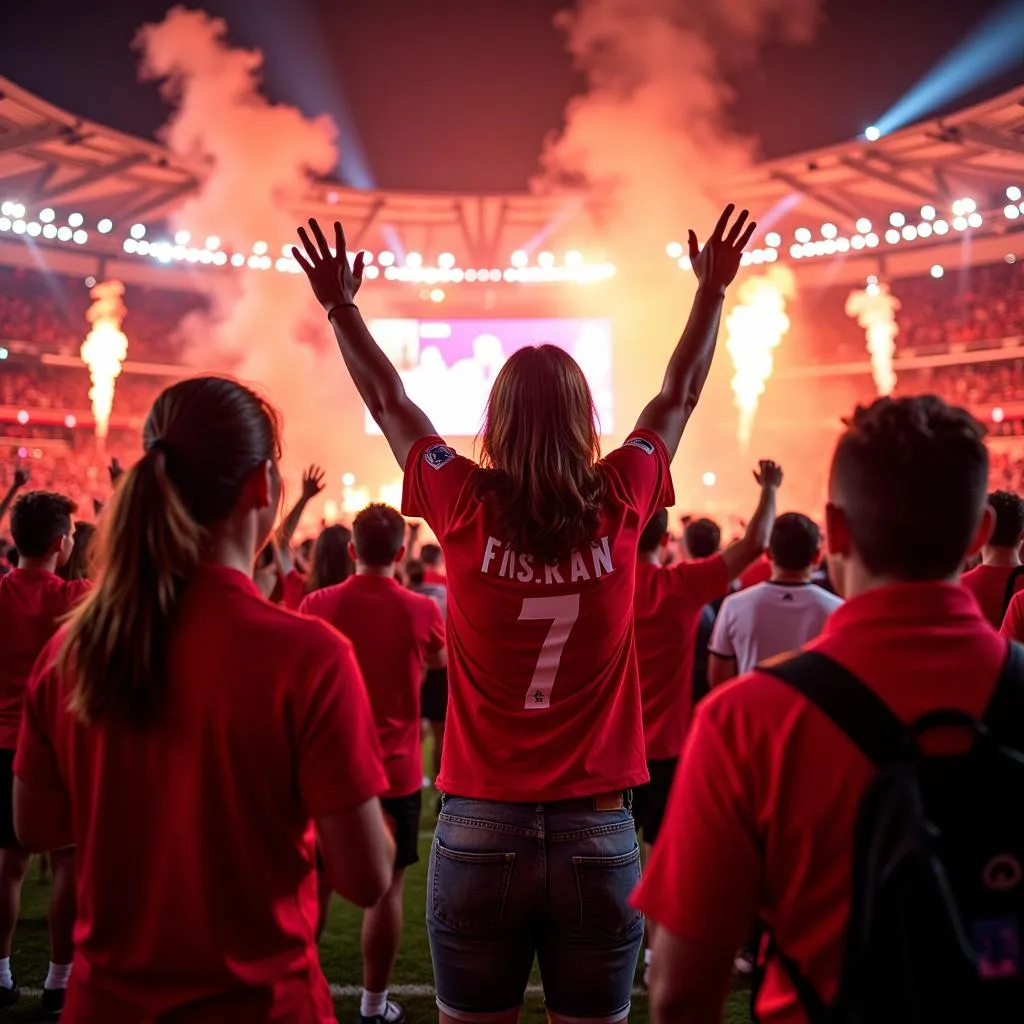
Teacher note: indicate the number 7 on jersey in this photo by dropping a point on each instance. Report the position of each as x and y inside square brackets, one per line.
[563, 613]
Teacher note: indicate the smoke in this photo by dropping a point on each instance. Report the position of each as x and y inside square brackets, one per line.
[650, 143]
[874, 308]
[257, 158]
[104, 349]
[754, 328]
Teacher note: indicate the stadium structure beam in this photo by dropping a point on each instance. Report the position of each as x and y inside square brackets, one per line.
[163, 197]
[988, 138]
[889, 178]
[356, 241]
[22, 137]
[96, 174]
[828, 201]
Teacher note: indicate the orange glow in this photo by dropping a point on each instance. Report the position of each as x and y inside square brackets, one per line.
[755, 327]
[874, 309]
[104, 349]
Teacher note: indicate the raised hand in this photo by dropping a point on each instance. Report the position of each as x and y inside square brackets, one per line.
[312, 482]
[333, 281]
[20, 477]
[716, 264]
[115, 470]
[768, 475]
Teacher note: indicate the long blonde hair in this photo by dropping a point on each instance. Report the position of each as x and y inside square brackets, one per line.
[203, 438]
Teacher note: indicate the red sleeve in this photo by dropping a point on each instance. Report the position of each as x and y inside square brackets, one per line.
[1013, 622]
[435, 627]
[435, 478]
[294, 589]
[703, 879]
[35, 761]
[641, 473]
[339, 755]
[701, 581]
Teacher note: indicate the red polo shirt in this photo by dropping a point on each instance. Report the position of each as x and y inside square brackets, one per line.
[544, 696]
[667, 605]
[988, 585]
[393, 630]
[773, 835]
[32, 604]
[759, 572]
[195, 839]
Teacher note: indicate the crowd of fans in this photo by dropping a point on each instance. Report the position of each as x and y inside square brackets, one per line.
[210, 727]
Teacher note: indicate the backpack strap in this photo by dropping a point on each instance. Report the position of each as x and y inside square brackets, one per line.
[855, 708]
[1004, 716]
[1011, 587]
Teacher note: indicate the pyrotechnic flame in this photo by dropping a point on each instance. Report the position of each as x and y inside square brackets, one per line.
[874, 309]
[104, 349]
[756, 325]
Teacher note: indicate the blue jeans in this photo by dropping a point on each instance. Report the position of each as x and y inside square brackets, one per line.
[508, 882]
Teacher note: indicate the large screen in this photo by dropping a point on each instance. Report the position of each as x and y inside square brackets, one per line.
[448, 366]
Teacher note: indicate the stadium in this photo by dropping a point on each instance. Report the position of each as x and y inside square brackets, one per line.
[889, 265]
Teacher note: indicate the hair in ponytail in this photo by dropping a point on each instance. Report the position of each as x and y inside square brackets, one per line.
[203, 438]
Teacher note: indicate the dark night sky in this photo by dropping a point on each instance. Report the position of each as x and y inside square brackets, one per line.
[459, 94]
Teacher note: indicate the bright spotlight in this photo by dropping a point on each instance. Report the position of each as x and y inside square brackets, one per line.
[70, 421]
[213, 242]
[348, 479]
[182, 237]
[968, 205]
[520, 258]
[105, 226]
[709, 479]
[386, 258]
[80, 237]
[940, 227]
[897, 220]
[1011, 212]
[437, 295]
[802, 234]
[1012, 193]
[138, 231]
[892, 236]
[446, 260]
[237, 260]
[259, 248]
[414, 260]
[34, 228]
[773, 240]
[959, 223]
[46, 215]
[909, 232]
[997, 415]
[23, 417]
[928, 213]
[974, 220]
[872, 134]
[673, 250]
[573, 258]
[829, 231]
[863, 225]
[936, 271]
[75, 220]
[545, 260]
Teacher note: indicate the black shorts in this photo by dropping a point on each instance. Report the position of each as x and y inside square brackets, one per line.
[651, 799]
[435, 695]
[405, 812]
[8, 839]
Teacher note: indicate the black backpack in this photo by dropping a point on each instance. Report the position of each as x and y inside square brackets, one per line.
[936, 923]
[1011, 587]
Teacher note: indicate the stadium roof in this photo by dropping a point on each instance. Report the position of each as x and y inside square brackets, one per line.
[49, 157]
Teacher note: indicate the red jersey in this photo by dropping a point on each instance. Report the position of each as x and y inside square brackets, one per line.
[988, 585]
[434, 577]
[668, 605]
[195, 839]
[393, 630]
[773, 835]
[544, 696]
[293, 589]
[759, 572]
[32, 604]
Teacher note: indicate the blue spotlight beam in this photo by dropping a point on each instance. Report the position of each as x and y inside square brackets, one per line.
[994, 46]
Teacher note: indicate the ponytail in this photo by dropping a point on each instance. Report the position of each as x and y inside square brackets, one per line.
[117, 638]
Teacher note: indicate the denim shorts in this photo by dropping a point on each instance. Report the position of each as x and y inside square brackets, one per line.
[508, 882]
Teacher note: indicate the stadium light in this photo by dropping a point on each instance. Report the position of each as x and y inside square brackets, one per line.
[997, 415]
[105, 226]
[545, 260]
[829, 231]
[520, 258]
[213, 242]
[237, 259]
[138, 231]
[897, 220]
[872, 134]
[437, 295]
[928, 212]
[413, 260]
[909, 232]
[892, 236]
[802, 235]
[863, 225]
[974, 220]
[936, 271]
[22, 417]
[348, 479]
[80, 237]
[34, 228]
[75, 220]
[446, 260]
[1013, 193]
[673, 250]
[1011, 212]
[258, 248]
[46, 215]
[773, 239]
[386, 258]
[940, 227]
[182, 237]
[709, 479]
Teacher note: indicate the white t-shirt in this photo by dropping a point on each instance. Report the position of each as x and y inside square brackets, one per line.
[770, 619]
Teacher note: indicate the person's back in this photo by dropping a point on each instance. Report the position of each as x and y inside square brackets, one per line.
[779, 615]
[207, 804]
[776, 833]
[1000, 558]
[190, 740]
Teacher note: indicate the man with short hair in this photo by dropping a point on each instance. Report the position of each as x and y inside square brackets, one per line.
[33, 602]
[395, 634]
[761, 820]
[780, 615]
[999, 558]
